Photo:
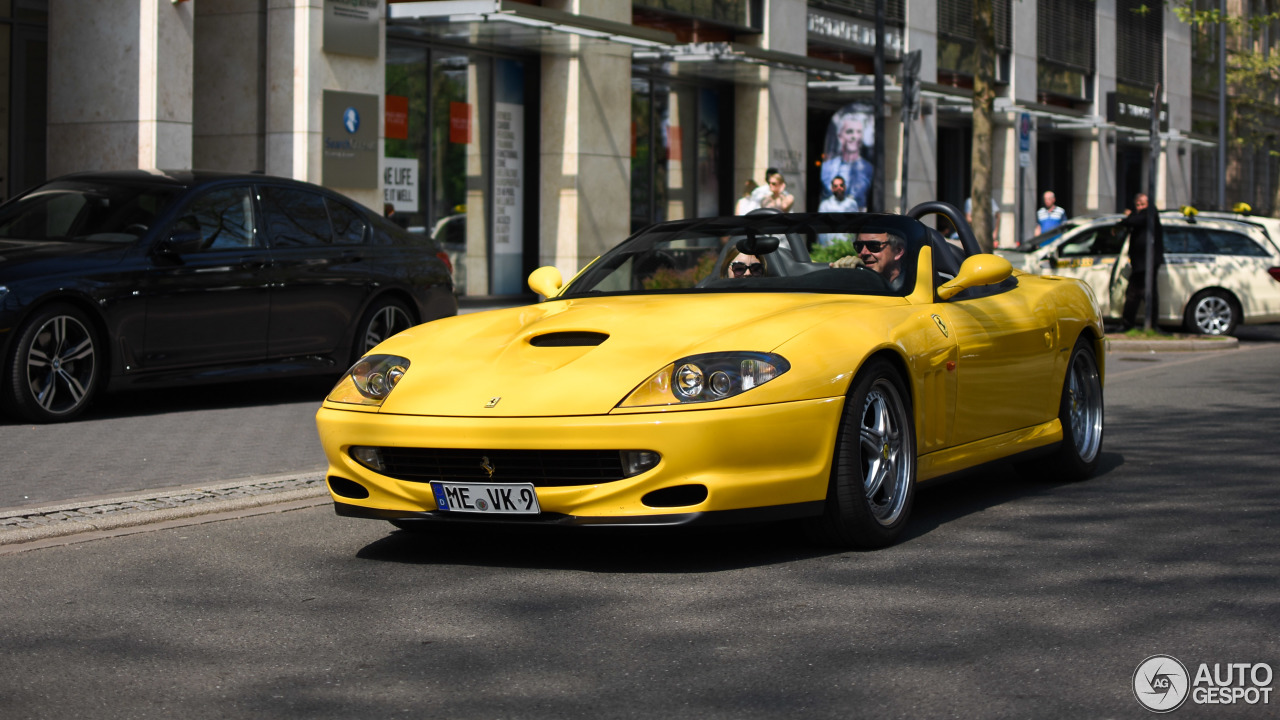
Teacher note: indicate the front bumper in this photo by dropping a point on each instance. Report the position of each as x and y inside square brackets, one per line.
[755, 462]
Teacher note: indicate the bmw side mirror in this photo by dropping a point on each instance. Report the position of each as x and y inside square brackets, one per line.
[181, 242]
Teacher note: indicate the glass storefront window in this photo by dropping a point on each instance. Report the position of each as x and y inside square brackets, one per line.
[456, 125]
[677, 158]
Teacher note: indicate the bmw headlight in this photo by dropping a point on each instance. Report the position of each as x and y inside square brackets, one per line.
[707, 378]
[370, 380]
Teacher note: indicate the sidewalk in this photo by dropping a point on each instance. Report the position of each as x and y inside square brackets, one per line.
[1178, 342]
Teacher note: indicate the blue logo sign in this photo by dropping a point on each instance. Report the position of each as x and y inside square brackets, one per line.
[351, 120]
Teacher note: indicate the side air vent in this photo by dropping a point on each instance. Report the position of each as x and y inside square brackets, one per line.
[569, 339]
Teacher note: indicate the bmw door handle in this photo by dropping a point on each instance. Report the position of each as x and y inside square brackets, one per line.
[252, 263]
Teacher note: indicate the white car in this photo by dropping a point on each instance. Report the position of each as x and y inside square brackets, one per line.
[1219, 272]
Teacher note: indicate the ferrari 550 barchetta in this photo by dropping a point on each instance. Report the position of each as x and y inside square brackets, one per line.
[709, 371]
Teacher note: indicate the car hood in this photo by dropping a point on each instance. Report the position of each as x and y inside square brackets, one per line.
[21, 259]
[460, 365]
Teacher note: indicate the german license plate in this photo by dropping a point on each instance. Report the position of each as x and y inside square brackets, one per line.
[495, 498]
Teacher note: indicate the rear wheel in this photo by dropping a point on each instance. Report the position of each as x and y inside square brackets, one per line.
[1081, 413]
[1212, 312]
[873, 474]
[53, 370]
[382, 320]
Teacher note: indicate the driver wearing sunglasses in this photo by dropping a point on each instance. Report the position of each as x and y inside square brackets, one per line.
[881, 252]
[746, 266]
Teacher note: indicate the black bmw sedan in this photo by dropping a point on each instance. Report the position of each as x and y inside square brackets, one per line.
[153, 278]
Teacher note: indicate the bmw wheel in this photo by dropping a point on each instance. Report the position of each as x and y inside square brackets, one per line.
[53, 370]
[382, 320]
[873, 475]
[1212, 312]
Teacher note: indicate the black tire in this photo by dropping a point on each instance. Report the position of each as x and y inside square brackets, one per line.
[873, 474]
[1081, 413]
[54, 368]
[383, 319]
[1212, 312]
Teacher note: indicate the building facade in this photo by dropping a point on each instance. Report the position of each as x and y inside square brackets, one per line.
[523, 133]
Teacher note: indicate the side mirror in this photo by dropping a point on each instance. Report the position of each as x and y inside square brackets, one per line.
[181, 242]
[546, 281]
[977, 270]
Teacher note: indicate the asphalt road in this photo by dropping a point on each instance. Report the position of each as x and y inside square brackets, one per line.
[1011, 598]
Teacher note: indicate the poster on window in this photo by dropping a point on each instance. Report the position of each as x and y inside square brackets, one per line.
[508, 178]
[850, 137]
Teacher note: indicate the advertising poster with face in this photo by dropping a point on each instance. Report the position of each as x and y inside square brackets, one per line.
[850, 135]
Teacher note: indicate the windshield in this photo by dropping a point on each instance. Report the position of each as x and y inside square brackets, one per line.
[1036, 242]
[84, 211]
[763, 253]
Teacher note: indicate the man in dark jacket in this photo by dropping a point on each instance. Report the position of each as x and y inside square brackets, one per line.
[1137, 224]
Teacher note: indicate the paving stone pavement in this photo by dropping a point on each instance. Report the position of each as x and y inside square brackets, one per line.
[19, 525]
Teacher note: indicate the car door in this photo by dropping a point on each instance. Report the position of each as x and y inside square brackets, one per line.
[207, 291]
[1007, 347]
[321, 271]
[1093, 256]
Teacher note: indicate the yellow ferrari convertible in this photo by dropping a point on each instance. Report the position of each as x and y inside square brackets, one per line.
[709, 371]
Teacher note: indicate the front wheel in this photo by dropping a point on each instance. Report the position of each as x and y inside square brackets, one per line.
[1212, 312]
[53, 370]
[873, 473]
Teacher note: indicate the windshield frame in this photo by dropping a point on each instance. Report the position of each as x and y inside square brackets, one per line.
[794, 230]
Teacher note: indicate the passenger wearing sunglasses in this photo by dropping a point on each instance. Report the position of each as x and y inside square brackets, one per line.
[881, 252]
[746, 266]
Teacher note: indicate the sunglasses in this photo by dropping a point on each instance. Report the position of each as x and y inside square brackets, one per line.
[874, 246]
[741, 268]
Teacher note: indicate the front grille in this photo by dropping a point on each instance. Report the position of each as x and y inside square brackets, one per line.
[543, 468]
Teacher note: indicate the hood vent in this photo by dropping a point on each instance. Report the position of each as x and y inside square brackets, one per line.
[569, 339]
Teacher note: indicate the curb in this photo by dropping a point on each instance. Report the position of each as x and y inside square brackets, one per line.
[1189, 343]
[25, 525]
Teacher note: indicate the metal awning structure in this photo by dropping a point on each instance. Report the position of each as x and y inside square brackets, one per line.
[515, 25]
[503, 23]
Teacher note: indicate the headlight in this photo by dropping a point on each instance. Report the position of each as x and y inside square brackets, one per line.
[370, 380]
[707, 378]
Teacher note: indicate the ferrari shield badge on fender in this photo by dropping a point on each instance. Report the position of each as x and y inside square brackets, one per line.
[941, 326]
[493, 402]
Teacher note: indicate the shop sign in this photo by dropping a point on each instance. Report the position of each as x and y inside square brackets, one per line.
[1134, 112]
[835, 29]
[460, 123]
[351, 27]
[400, 183]
[397, 122]
[350, 151]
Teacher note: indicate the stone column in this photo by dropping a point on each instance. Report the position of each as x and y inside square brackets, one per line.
[228, 129]
[585, 186]
[298, 71]
[770, 117]
[119, 85]
[1095, 157]
[922, 177]
[1173, 186]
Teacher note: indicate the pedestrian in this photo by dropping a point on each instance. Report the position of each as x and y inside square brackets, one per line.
[1136, 221]
[838, 201]
[778, 196]
[995, 218]
[1051, 215]
[747, 202]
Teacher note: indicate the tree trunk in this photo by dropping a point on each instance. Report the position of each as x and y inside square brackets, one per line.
[984, 95]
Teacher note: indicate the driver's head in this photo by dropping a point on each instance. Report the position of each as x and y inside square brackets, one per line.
[746, 266]
[881, 252]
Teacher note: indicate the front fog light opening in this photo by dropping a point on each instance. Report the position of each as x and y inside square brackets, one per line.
[370, 457]
[635, 462]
